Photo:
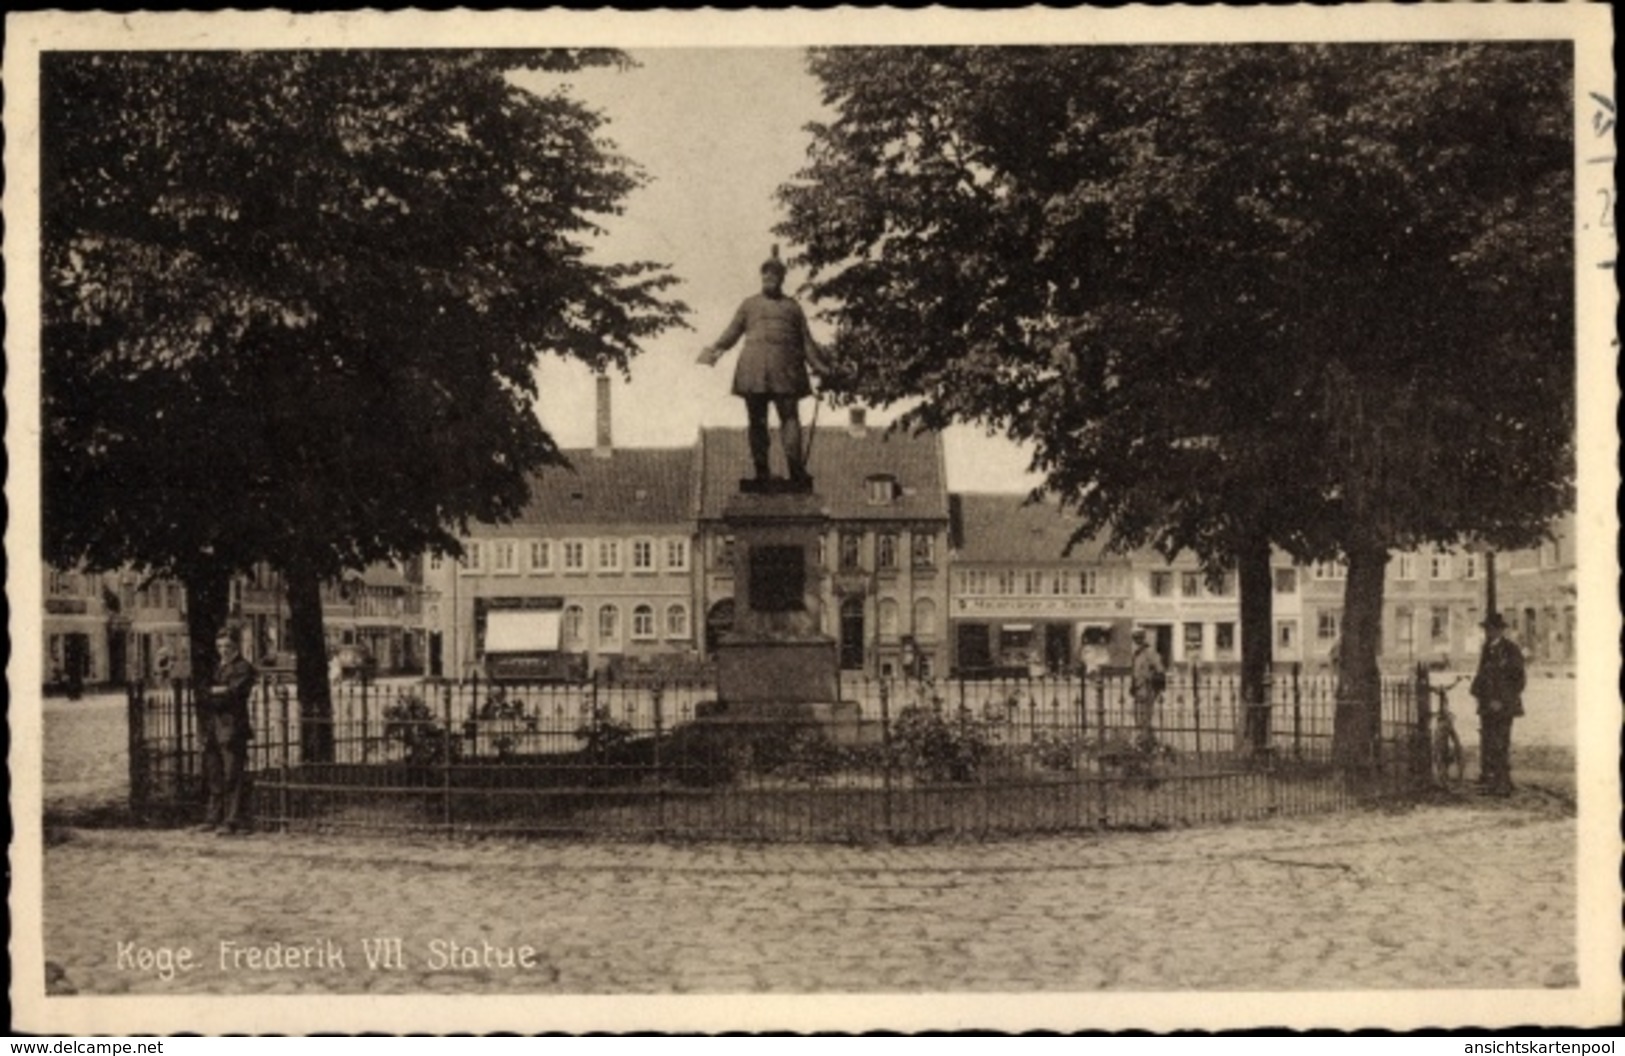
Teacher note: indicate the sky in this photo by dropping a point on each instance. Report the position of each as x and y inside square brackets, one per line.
[715, 132]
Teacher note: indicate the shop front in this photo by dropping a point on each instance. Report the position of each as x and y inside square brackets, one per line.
[1035, 637]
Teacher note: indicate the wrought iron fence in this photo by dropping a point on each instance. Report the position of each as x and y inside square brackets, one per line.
[899, 759]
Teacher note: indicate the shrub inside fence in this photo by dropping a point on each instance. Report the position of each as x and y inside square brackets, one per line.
[922, 759]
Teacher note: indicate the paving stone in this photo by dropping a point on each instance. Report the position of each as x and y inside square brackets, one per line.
[1362, 899]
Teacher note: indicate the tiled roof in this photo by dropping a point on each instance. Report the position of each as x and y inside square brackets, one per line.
[630, 486]
[1004, 528]
[843, 460]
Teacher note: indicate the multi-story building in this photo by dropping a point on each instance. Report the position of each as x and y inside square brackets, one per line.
[885, 584]
[379, 611]
[1020, 601]
[82, 643]
[601, 559]
[1536, 593]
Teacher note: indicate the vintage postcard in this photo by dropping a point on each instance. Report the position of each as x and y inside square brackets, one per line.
[852, 520]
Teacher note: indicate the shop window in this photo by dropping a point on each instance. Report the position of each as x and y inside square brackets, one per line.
[925, 618]
[888, 617]
[1439, 624]
[851, 547]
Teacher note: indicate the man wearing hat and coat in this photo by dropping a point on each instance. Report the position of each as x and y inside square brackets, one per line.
[772, 369]
[1145, 684]
[224, 723]
[1498, 688]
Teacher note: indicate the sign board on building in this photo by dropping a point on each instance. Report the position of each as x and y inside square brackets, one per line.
[1078, 608]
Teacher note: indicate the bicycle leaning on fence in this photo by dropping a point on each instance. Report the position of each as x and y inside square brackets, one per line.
[1449, 762]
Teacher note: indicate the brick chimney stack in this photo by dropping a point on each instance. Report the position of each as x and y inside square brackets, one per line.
[605, 444]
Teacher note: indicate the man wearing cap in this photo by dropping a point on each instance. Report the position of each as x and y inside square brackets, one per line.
[772, 369]
[1498, 688]
[223, 720]
[1145, 685]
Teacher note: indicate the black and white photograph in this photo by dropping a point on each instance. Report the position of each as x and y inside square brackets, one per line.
[818, 521]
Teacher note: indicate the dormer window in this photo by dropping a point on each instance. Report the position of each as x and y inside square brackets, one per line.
[881, 489]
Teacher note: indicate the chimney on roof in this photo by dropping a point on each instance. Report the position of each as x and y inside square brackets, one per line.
[855, 424]
[604, 444]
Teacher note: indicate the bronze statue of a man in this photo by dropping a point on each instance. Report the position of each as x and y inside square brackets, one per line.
[772, 369]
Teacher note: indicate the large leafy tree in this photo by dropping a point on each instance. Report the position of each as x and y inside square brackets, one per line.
[294, 302]
[1309, 296]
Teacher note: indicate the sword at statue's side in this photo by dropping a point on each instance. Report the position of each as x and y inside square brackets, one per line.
[812, 431]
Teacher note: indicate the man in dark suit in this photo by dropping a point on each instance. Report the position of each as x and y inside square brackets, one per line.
[772, 370]
[223, 722]
[1498, 688]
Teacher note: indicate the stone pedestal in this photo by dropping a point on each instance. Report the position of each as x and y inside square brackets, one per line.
[777, 665]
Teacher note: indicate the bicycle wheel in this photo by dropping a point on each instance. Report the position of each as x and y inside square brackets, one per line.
[1448, 763]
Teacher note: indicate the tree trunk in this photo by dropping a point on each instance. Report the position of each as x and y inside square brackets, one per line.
[208, 604]
[1356, 725]
[1255, 581]
[310, 648]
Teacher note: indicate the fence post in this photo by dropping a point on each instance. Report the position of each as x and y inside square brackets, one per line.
[447, 745]
[886, 758]
[1297, 713]
[660, 783]
[135, 713]
[286, 776]
[1083, 701]
[1196, 704]
[1422, 733]
[365, 744]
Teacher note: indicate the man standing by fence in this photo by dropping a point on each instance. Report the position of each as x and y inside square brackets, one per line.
[1147, 679]
[223, 721]
[1498, 688]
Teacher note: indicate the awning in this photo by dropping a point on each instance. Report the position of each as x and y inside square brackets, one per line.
[521, 631]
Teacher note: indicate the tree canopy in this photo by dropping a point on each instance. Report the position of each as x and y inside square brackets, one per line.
[1315, 296]
[294, 300]
[1322, 288]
